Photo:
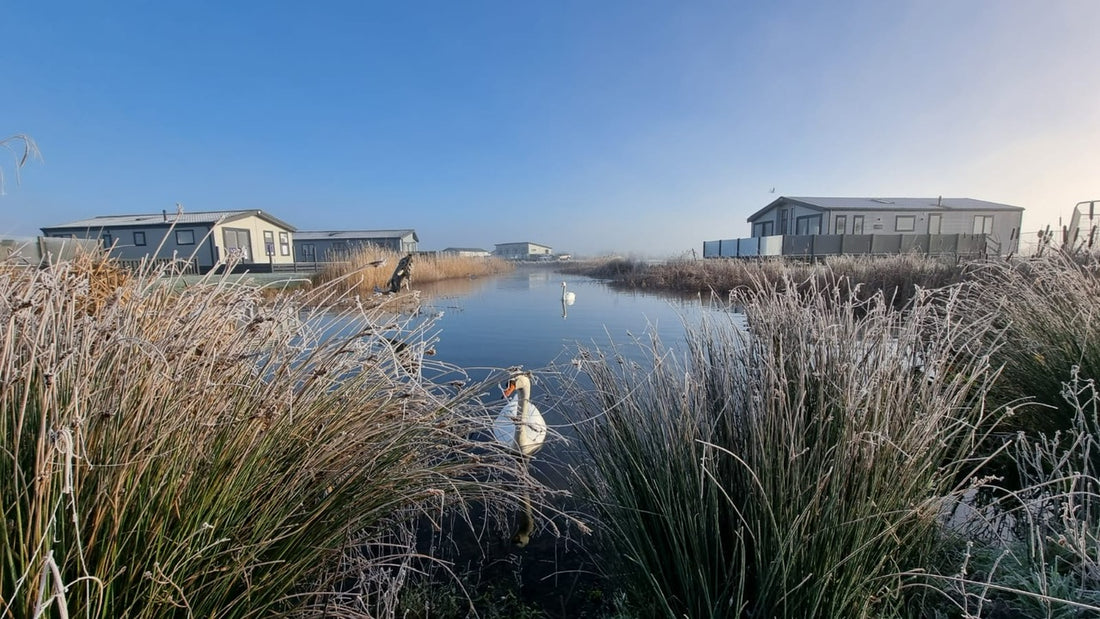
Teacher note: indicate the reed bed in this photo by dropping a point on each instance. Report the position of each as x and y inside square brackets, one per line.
[1049, 310]
[897, 278]
[801, 471]
[368, 269]
[1035, 551]
[189, 450]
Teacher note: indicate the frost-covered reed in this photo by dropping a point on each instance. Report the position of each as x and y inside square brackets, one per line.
[192, 450]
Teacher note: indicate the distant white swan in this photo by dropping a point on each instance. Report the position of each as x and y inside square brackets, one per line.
[567, 297]
[520, 424]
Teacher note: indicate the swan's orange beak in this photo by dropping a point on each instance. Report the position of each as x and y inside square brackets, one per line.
[510, 389]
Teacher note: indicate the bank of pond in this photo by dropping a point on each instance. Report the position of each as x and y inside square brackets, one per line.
[824, 450]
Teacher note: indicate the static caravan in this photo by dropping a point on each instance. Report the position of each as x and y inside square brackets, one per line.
[334, 245]
[809, 216]
[524, 250]
[466, 252]
[252, 238]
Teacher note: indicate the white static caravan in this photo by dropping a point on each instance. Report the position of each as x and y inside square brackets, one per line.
[252, 237]
[525, 250]
[466, 252]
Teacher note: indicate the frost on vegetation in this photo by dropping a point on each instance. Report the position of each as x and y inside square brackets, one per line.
[1040, 545]
[228, 429]
[23, 149]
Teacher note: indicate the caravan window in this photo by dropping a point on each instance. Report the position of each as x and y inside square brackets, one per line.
[935, 222]
[238, 242]
[857, 224]
[983, 224]
[810, 224]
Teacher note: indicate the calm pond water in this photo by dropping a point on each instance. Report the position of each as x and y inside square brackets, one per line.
[486, 324]
[519, 318]
[477, 328]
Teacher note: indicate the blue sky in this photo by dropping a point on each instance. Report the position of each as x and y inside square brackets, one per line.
[635, 127]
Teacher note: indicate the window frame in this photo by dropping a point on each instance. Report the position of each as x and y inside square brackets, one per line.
[804, 225]
[938, 218]
[139, 238]
[840, 224]
[185, 237]
[911, 222]
[269, 243]
[284, 243]
[784, 221]
[857, 224]
[246, 248]
[986, 222]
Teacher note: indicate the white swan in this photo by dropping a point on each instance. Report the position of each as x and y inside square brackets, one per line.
[567, 297]
[520, 424]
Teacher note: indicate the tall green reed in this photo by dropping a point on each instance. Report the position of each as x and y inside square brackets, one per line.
[794, 468]
[190, 450]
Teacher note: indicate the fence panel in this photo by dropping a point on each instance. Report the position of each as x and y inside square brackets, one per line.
[798, 245]
[886, 244]
[828, 244]
[748, 247]
[914, 243]
[967, 245]
[771, 245]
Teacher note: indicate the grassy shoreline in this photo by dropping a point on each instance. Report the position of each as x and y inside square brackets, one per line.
[896, 277]
[204, 449]
[369, 270]
[200, 450]
[981, 375]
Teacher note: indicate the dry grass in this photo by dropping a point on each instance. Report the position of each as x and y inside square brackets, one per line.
[368, 270]
[196, 450]
[1049, 310]
[191, 450]
[23, 149]
[832, 459]
[795, 469]
[1043, 559]
[895, 277]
